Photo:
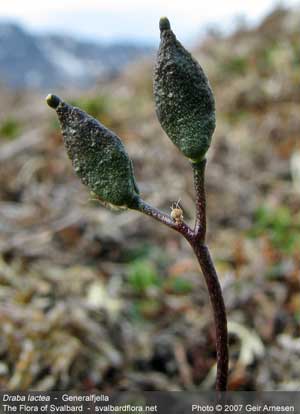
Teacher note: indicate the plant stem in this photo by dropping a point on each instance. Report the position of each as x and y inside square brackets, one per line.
[217, 301]
[199, 184]
[210, 276]
[196, 239]
[164, 218]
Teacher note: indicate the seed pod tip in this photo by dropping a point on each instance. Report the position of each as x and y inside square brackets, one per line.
[53, 101]
[164, 24]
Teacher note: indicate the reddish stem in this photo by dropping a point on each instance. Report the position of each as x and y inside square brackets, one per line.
[164, 218]
[199, 184]
[196, 238]
[211, 277]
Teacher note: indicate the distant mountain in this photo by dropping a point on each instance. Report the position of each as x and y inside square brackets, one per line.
[43, 61]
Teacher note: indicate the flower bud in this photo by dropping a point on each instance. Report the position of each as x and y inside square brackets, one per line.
[97, 154]
[184, 100]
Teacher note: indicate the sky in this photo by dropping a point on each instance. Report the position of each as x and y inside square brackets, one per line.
[133, 20]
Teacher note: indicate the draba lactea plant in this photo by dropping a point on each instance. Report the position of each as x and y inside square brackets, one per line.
[98, 156]
[184, 101]
[186, 110]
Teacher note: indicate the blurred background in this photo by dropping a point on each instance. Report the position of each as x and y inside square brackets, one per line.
[93, 299]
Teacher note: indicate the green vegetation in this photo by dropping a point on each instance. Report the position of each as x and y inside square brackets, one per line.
[10, 128]
[280, 226]
[179, 285]
[96, 106]
[236, 65]
[142, 276]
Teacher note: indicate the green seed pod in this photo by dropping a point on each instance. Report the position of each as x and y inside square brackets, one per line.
[97, 154]
[184, 100]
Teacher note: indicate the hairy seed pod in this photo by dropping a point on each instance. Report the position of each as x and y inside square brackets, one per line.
[184, 100]
[97, 154]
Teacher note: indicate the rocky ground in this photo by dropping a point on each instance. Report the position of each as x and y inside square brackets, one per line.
[97, 299]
